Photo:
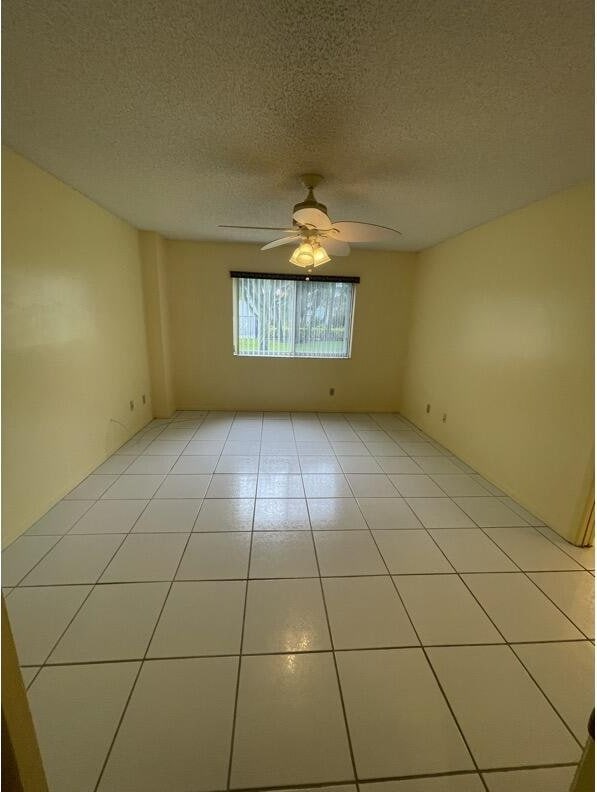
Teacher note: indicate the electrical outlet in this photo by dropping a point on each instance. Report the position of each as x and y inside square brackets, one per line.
[428, 408]
[332, 391]
[131, 405]
[143, 398]
[444, 417]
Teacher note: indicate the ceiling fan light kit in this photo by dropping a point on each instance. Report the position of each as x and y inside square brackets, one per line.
[316, 236]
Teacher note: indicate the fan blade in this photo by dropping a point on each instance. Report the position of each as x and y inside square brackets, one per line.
[278, 242]
[334, 246]
[261, 228]
[312, 217]
[353, 231]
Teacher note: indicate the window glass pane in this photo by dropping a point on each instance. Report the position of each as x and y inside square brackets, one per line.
[283, 318]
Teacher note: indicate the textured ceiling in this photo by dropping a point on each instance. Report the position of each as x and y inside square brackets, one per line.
[432, 116]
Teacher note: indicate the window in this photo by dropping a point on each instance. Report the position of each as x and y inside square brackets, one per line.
[292, 316]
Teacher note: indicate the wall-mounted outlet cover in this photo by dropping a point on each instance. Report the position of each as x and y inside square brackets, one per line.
[131, 405]
[332, 391]
[428, 408]
[444, 417]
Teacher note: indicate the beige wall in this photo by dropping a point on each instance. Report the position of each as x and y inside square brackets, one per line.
[502, 341]
[208, 375]
[73, 340]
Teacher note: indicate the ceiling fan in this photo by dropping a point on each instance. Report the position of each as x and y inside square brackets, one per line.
[315, 235]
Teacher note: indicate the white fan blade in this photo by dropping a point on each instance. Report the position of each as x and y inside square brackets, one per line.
[353, 231]
[278, 242]
[335, 246]
[312, 217]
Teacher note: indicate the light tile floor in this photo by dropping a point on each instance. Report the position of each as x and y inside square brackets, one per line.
[275, 600]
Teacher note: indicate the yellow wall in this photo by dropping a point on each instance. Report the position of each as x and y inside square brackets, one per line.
[208, 375]
[502, 341]
[73, 339]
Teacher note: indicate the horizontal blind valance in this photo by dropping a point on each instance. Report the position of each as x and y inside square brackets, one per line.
[296, 277]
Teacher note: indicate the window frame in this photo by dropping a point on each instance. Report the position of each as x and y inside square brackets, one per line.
[237, 275]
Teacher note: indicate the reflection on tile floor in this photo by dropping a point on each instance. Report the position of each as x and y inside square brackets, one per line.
[275, 600]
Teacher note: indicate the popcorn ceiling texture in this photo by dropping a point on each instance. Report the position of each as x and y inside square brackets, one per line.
[432, 116]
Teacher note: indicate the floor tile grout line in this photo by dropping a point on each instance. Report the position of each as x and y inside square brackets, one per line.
[422, 647]
[507, 643]
[242, 638]
[137, 675]
[334, 659]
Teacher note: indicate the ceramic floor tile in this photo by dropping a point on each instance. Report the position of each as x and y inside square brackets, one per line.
[385, 448]
[530, 549]
[22, 555]
[242, 447]
[392, 699]
[166, 447]
[490, 512]
[491, 488]
[108, 516]
[115, 623]
[326, 486]
[38, 617]
[61, 518]
[530, 518]
[280, 486]
[168, 516]
[356, 464]
[238, 464]
[197, 465]
[75, 559]
[226, 514]
[388, 513]
[232, 485]
[504, 717]
[565, 672]
[470, 550]
[519, 610]
[285, 616]
[416, 486]
[444, 611]
[401, 465]
[151, 464]
[411, 552]
[188, 745]
[184, 486]
[348, 553]
[572, 592]
[280, 448]
[279, 464]
[469, 782]
[200, 618]
[366, 612]
[299, 694]
[146, 557]
[209, 448]
[281, 514]
[439, 513]
[115, 464]
[435, 465]
[29, 673]
[552, 779]
[584, 555]
[350, 448]
[333, 514]
[455, 485]
[133, 487]
[91, 488]
[314, 448]
[90, 700]
[215, 556]
[280, 554]
[371, 486]
[327, 465]
[421, 449]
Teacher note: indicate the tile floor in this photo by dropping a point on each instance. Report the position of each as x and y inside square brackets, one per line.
[268, 601]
